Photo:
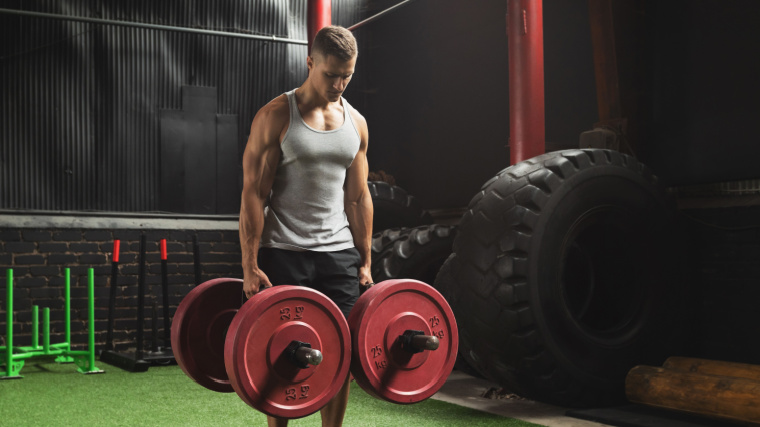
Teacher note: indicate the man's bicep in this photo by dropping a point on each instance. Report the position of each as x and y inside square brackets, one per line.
[356, 180]
[261, 154]
[356, 185]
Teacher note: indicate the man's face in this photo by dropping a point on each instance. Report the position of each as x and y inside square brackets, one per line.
[330, 75]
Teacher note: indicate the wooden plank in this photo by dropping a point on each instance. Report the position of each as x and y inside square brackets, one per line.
[714, 396]
[619, 41]
[605, 59]
[713, 367]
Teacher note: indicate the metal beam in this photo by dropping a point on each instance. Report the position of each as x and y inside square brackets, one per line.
[377, 15]
[270, 38]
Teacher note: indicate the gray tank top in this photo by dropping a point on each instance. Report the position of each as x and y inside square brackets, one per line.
[305, 209]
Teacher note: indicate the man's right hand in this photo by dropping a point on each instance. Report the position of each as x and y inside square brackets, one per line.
[255, 282]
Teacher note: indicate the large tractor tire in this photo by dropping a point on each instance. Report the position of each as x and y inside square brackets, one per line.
[565, 275]
[394, 207]
[413, 253]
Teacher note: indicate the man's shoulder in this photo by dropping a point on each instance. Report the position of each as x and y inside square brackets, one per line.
[276, 108]
[356, 115]
[360, 122]
[272, 118]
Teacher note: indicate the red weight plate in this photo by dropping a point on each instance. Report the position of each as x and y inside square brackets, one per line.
[379, 364]
[199, 327]
[259, 370]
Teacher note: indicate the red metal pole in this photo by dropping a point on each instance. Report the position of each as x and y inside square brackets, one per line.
[318, 16]
[525, 33]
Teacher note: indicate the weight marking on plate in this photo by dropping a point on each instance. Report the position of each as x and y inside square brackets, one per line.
[292, 313]
[435, 321]
[292, 393]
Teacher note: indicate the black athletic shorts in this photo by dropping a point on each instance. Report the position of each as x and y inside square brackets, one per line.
[335, 274]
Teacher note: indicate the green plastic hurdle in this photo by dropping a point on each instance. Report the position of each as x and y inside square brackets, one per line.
[15, 357]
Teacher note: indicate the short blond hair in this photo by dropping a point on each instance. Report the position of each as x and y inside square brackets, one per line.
[335, 40]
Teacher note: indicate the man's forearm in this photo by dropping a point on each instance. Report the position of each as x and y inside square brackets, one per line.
[251, 226]
[359, 215]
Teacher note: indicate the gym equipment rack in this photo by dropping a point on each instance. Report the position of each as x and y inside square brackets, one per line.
[14, 357]
[139, 360]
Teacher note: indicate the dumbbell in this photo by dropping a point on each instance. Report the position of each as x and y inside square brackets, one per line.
[287, 350]
[266, 349]
[404, 341]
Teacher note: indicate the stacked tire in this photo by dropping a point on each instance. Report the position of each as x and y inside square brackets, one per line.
[565, 274]
[411, 253]
[405, 242]
[394, 207]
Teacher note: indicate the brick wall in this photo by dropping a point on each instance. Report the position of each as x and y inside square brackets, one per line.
[723, 277]
[39, 256]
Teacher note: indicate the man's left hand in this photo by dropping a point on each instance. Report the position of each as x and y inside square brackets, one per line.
[365, 278]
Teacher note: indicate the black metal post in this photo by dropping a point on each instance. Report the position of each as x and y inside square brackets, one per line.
[154, 324]
[112, 296]
[197, 260]
[140, 300]
[165, 291]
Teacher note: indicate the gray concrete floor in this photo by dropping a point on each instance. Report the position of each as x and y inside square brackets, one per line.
[465, 390]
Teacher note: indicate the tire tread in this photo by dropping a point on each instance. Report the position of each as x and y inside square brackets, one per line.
[514, 200]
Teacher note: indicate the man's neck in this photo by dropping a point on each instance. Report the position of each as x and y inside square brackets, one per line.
[310, 99]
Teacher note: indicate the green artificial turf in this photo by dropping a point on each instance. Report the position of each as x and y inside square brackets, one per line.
[56, 395]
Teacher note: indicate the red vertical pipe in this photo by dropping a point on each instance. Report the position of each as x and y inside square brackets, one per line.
[116, 245]
[318, 16]
[525, 33]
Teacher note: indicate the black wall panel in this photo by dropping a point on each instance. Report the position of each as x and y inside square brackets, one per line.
[706, 64]
[81, 102]
[436, 94]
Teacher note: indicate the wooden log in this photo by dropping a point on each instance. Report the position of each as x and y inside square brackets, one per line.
[730, 398]
[713, 367]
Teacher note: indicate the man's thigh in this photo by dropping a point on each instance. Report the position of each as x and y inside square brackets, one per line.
[284, 267]
[338, 277]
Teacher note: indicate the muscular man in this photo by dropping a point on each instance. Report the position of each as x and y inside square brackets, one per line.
[306, 212]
